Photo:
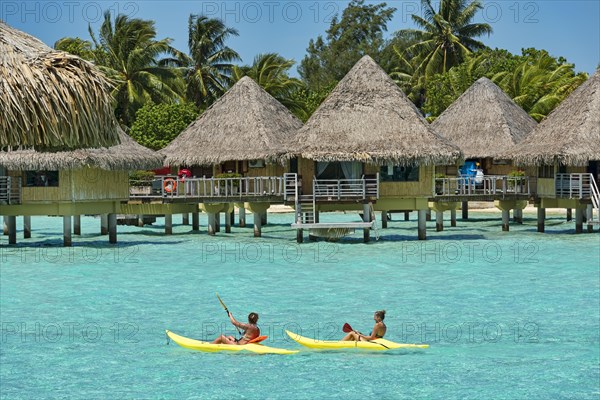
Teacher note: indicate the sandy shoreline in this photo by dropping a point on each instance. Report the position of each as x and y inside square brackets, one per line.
[474, 207]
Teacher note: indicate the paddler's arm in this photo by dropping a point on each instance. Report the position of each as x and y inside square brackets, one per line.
[371, 336]
[236, 323]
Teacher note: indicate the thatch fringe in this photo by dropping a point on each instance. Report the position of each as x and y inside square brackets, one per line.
[569, 135]
[128, 155]
[246, 123]
[484, 121]
[368, 118]
[51, 99]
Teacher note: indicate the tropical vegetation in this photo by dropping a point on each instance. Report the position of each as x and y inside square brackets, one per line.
[164, 88]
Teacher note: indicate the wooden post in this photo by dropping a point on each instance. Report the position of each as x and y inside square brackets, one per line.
[77, 225]
[218, 222]
[422, 224]
[569, 214]
[299, 235]
[384, 219]
[518, 216]
[26, 226]
[232, 217]
[242, 217]
[453, 217]
[112, 228]
[140, 220]
[407, 215]
[541, 216]
[505, 220]
[465, 210]
[257, 224]
[366, 218]
[263, 218]
[185, 219]
[428, 215]
[104, 224]
[212, 229]
[228, 221]
[195, 221]
[168, 224]
[5, 219]
[590, 213]
[439, 221]
[67, 231]
[11, 227]
[578, 220]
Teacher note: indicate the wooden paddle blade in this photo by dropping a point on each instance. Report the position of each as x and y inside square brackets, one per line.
[347, 328]
[258, 339]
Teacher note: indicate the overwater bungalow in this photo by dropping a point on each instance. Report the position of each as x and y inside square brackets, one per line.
[61, 152]
[368, 148]
[484, 122]
[565, 151]
[246, 132]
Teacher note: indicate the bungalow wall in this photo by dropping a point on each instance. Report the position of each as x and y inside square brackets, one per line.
[87, 184]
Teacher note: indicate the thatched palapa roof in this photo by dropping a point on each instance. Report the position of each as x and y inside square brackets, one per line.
[569, 135]
[368, 118]
[50, 99]
[484, 121]
[246, 123]
[128, 155]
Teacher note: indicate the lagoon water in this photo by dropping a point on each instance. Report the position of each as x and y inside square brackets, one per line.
[508, 315]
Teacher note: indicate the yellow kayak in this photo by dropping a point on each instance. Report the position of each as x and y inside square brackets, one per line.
[377, 344]
[210, 347]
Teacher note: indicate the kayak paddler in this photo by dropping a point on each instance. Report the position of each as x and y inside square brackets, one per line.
[377, 333]
[251, 330]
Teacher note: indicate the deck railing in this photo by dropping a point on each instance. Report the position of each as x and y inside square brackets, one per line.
[341, 189]
[573, 186]
[171, 186]
[490, 185]
[10, 190]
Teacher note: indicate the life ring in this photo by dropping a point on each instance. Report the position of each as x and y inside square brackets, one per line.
[170, 185]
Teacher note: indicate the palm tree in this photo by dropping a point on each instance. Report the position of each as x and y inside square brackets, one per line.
[130, 57]
[270, 71]
[539, 85]
[209, 68]
[447, 35]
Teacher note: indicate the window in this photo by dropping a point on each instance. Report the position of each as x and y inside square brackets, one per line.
[398, 173]
[338, 170]
[546, 171]
[41, 178]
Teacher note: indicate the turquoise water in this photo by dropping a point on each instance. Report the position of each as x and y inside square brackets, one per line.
[508, 316]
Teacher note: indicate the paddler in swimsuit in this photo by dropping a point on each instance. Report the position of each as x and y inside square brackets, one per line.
[377, 332]
[251, 331]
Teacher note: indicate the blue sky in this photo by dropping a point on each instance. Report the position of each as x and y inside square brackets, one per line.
[568, 28]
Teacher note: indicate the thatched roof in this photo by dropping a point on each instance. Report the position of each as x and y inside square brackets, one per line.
[246, 123]
[570, 135]
[129, 155]
[484, 121]
[51, 99]
[368, 118]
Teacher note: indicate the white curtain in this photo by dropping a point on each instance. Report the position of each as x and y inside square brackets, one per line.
[321, 167]
[351, 169]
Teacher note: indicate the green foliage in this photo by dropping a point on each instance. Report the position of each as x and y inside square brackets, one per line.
[270, 71]
[516, 173]
[76, 46]
[141, 178]
[209, 69]
[310, 100]
[534, 80]
[357, 33]
[157, 125]
[446, 35]
[128, 54]
[226, 175]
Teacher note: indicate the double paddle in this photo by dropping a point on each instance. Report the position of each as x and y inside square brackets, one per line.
[347, 329]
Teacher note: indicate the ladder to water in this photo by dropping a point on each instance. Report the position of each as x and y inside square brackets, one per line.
[595, 196]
